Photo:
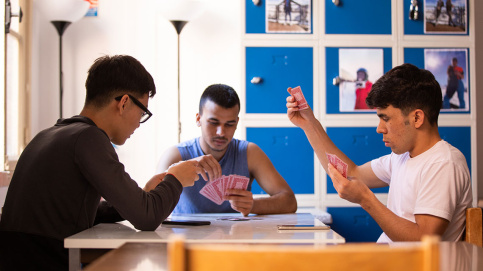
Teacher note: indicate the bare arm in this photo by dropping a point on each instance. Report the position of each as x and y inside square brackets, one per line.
[322, 144]
[395, 227]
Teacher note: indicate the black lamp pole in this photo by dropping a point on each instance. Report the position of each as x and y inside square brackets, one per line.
[61, 26]
[178, 25]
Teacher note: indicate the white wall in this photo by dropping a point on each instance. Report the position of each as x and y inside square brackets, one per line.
[210, 53]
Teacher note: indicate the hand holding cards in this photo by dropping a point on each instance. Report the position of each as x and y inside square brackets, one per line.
[215, 190]
[338, 164]
[299, 97]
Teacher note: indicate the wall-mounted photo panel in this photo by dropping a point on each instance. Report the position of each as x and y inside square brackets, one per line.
[345, 93]
[358, 70]
[445, 16]
[450, 67]
[288, 16]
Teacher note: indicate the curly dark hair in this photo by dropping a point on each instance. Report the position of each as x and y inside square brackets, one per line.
[111, 76]
[408, 87]
[222, 95]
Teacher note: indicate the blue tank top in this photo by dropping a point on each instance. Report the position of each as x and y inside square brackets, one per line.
[233, 162]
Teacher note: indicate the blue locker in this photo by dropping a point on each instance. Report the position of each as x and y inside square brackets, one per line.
[416, 27]
[358, 17]
[354, 224]
[278, 68]
[291, 154]
[416, 56]
[255, 17]
[361, 145]
[332, 71]
[460, 138]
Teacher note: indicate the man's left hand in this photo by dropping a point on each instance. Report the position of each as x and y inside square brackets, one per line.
[240, 200]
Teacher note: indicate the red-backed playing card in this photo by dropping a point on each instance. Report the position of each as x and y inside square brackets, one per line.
[340, 165]
[299, 97]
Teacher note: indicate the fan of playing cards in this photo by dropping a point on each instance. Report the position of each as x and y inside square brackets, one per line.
[215, 190]
[337, 163]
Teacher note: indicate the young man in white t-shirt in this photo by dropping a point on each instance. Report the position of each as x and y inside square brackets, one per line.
[429, 181]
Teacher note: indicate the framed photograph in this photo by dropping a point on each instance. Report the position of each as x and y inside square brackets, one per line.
[358, 70]
[288, 16]
[450, 67]
[445, 16]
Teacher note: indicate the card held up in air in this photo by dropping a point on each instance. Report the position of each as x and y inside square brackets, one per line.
[340, 165]
[299, 97]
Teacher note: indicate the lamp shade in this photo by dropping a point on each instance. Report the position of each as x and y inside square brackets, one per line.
[63, 10]
[180, 10]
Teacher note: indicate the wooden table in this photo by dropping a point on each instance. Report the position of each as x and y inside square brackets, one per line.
[153, 257]
[224, 228]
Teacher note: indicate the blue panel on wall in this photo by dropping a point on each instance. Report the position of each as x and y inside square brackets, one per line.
[332, 71]
[255, 17]
[361, 145]
[354, 224]
[279, 68]
[416, 27]
[460, 138]
[358, 17]
[291, 154]
[416, 57]
[255, 20]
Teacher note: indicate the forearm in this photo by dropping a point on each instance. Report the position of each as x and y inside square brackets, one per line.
[321, 143]
[395, 227]
[280, 203]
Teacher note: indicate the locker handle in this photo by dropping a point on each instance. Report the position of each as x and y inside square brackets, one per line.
[256, 80]
[336, 2]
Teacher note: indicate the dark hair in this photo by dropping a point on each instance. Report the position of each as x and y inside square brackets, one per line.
[408, 88]
[110, 76]
[222, 95]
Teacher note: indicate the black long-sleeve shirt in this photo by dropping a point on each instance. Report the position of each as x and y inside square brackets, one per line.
[61, 176]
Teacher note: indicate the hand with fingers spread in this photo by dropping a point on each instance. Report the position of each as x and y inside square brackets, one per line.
[186, 172]
[211, 167]
[300, 118]
[240, 200]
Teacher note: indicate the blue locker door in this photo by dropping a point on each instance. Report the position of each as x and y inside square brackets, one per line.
[290, 153]
[358, 17]
[278, 68]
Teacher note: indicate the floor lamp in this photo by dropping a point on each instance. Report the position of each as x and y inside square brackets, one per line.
[62, 13]
[179, 13]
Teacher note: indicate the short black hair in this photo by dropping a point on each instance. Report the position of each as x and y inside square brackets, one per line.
[222, 95]
[408, 88]
[111, 76]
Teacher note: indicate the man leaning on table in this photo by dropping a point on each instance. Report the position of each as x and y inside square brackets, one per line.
[66, 169]
[429, 182]
[218, 118]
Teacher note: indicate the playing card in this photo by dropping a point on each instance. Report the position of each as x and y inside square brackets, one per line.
[340, 165]
[299, 97]
[216, 189]
[239, 182]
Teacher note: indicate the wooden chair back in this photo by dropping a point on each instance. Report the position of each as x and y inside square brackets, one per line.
[474, 229]
[245, 257]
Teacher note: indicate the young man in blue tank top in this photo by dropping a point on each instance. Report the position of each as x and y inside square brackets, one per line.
[218, 118]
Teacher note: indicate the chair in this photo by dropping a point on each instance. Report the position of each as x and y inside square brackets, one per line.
[363, 256]
[474, 231]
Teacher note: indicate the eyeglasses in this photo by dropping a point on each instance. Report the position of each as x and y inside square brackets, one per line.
[146, 114]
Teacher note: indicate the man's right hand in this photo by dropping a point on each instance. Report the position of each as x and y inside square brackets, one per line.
[186, 172]
[210, 167]
[300, 118]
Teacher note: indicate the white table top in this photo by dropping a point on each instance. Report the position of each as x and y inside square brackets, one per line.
[224, 228]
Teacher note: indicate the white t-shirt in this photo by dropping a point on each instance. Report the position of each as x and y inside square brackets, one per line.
[436, 182]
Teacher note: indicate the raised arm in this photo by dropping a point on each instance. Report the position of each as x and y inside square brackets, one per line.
[322, 144]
